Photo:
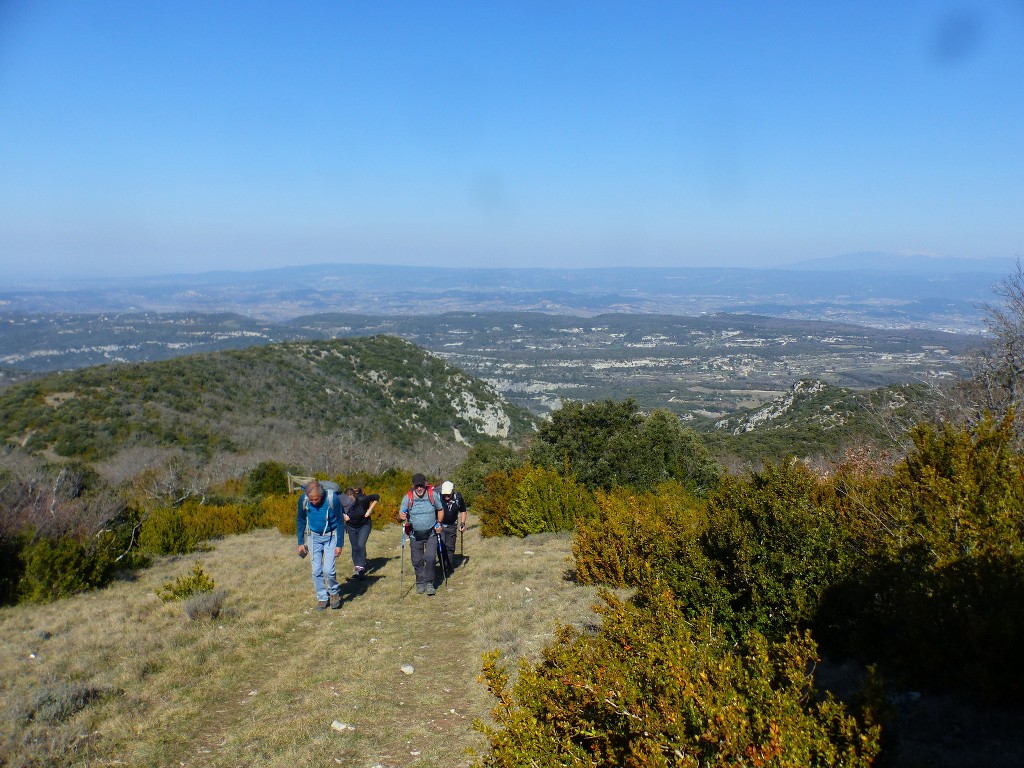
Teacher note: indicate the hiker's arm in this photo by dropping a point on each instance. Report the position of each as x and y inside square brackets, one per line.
[300, 527]
[374, 498]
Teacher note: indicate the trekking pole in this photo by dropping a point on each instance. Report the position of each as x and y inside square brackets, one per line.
[441, 557]
[401, 582]
[448, 561]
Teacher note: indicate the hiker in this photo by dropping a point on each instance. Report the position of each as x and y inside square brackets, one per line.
[358, 526]
[323, 512]
[422, 509]
[453, 520]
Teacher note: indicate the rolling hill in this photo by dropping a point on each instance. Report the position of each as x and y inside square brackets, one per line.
[378, 388]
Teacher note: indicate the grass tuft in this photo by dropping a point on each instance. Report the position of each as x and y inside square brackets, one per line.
[205, 605]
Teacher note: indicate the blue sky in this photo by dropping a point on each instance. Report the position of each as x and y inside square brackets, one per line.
[151, 137]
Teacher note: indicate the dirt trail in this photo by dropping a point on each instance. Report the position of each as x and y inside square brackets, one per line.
[317, 668]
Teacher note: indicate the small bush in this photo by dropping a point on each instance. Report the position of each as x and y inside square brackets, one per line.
[53, 568]
[205, 605]
[493, 506]
[266, 478]
[636, 535]
[164, 532]
[183, 587]
[58, 701]
[547, 502]
[279, 512]
[651, 690]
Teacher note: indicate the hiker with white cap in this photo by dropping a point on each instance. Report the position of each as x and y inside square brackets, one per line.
[453, 519]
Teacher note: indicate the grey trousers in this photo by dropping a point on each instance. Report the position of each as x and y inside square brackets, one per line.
[424, 556]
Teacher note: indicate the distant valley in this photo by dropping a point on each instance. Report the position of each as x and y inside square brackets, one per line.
[703, 342]
[697, 366]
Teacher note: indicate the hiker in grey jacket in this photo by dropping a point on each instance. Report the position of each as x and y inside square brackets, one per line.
[421, 507]
[324, 514]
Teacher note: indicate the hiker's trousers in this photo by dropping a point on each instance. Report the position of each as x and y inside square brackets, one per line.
[357, 536]
[321, 551]
[424, 555]
[449, 537]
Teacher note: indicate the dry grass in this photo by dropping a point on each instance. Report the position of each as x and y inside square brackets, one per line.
[118, 677]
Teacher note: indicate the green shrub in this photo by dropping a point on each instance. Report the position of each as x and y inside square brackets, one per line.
[493, 507]
[483, 459]
[545, 501]
[635, 535]
[267, 477]
[937, 598]
[777, 544]
[12, 566]
[164, 532]
[652, 689]
[279, 512]
[196, 582]
[53, 568]
[608, 444]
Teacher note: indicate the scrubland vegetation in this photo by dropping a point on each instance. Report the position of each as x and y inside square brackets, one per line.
[729, 596]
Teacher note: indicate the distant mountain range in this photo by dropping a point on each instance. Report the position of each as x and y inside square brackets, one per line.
[871, 289]
[916, 264]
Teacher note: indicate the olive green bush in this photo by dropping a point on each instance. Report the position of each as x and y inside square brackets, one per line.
[760, 553]
[267, 477]
[484, 458]
[937, 598]
[493, 507]
[609, 444]
[651, 688]
[545, 501]
[55, 567]
[778, 544]
[195, 583]
[165, 532]
[637, 535]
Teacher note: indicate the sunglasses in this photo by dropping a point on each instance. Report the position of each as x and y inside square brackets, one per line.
[419, 486]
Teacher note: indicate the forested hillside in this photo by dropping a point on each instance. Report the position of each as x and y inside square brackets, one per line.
[378, 388]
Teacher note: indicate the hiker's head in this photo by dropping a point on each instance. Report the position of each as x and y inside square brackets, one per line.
[447, 488]
[419, 484]
[353, 492]
[314, 491]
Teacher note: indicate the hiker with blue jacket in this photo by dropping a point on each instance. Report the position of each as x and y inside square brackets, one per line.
[324, 515]
[421, 507]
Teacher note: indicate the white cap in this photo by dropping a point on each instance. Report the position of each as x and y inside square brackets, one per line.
[447, 487]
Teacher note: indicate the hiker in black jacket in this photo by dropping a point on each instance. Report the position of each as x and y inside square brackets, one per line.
[454, 519]
[358, 526]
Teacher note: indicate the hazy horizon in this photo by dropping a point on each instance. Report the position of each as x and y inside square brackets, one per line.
[157, 138]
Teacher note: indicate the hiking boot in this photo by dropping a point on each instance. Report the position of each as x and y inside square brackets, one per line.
[421, 588]
[321, 605]
[430, 589]
[335, 602]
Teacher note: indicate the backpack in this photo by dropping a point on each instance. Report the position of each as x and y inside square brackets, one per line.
[420, 523]
[330, 493]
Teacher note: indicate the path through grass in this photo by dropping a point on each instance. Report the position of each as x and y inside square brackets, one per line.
[263, 684]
